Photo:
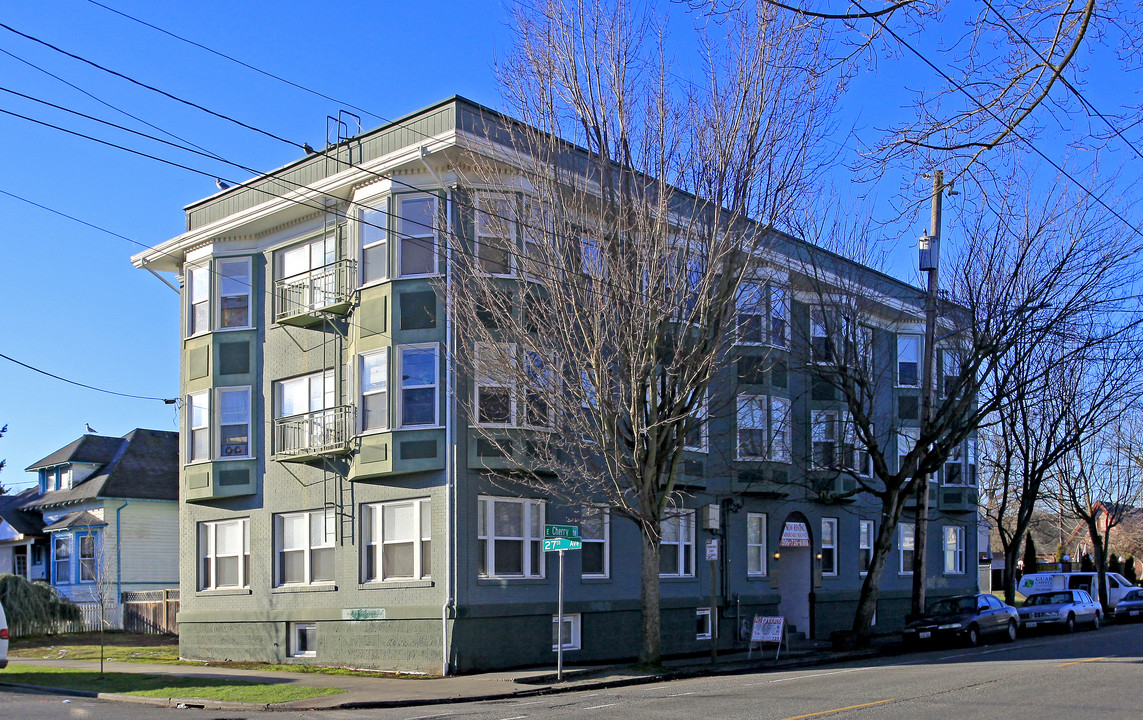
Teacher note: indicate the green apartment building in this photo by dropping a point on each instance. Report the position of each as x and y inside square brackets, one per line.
[334, 502]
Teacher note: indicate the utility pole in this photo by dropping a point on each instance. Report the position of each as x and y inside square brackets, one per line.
[929, 256]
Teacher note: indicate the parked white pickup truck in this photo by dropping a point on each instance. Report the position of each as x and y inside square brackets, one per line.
[1117, 585]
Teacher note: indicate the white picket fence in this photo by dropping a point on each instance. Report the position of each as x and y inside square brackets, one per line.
[88, 622]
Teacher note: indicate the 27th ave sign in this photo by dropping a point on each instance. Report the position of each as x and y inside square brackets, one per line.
[551, 544]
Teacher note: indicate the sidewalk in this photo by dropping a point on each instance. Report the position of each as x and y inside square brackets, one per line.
[366, 692]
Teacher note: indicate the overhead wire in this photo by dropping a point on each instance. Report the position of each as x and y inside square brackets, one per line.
[167, 401]
[1098, 198]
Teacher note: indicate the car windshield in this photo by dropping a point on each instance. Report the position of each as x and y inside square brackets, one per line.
[1048, 599]
[1134, 595]
[952, 606]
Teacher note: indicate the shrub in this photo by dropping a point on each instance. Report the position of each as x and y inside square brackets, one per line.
[1086, 563]
[1113, 563]
[34, 608]
[1129, 569]
[1031, 563]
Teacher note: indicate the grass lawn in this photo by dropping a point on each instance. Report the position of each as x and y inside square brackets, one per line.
[163, 686]
[159, 649]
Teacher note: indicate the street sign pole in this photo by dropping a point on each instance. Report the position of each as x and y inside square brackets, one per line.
[560, 625]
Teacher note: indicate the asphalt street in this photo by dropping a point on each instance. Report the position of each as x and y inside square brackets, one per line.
[1051, 677]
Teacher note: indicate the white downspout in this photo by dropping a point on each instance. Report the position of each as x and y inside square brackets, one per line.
[450, 451]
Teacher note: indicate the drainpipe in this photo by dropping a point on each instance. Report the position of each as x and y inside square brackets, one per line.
[450, 424]
[118, 552]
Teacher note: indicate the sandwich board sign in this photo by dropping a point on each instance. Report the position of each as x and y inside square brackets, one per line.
[767, 630]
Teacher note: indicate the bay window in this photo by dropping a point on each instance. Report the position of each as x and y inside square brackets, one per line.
[908, 360]
[373, 379]
[905, 534]
[234, 422]
[198, 420]
[234, 293]
[953, 537]
[829, 547]
[864, 545]
[595, 533]
[198, 294]
[495, 384]
[496, 234]
[373, 237]
[763, 431]
[416, 233]
[756, 556]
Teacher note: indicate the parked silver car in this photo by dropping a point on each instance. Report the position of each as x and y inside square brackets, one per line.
[1062, 609]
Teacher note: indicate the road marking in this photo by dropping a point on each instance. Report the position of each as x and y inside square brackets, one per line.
[837, 710]
[534, 702]
[805, 677]
[517, 717]
[596, 707]
[1079, 662]
[680, 694]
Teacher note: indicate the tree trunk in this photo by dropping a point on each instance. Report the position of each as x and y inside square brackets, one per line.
[1011, 557]
[871, 588]
[650, 652]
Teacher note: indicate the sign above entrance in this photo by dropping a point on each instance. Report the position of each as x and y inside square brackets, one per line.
[795, 534]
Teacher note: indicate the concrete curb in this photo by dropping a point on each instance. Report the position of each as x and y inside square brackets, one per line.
[737, 667]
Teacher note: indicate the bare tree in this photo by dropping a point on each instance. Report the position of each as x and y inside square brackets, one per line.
[1026, 274]
[601, 336]
[1100, 481]
[1042, 423]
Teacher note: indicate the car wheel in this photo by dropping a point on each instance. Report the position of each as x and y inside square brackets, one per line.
[1070, 624]
[1095, 622]
[973, 636]
[1011, 636]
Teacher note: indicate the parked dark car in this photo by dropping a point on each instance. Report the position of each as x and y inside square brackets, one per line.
[967, 618]
[1130, 607]
[1061, 609]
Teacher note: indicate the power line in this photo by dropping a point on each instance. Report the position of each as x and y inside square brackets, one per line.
[152, 88]
[246, 65]
[167, 401]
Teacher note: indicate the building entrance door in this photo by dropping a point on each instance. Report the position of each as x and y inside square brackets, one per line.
[795, 572]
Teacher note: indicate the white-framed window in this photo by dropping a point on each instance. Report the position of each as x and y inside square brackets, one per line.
[198, 299]
[595, 533]
[305, 394]
[398, 541]
[864, 545]
[756, 556]
[303, 270]
[822, 348]
[905, 534]
[535, 226]
[862, 354]
[88, 559]
[779, 315]
[677, 549]
[543, 389]
[751, 310]
[510, 536]
[953, 536]
[304, 547]
[303, 639]
[696, 439]
[591, 257]
[829, 547]
[496, 234]
[417, 234]
[763, 428]
[495, 384]
[953, 471]
[907, 439]
[61, 559]
[419, 372]
[824, 437]
[854, 453]
[950, 371]
[233, 422]
[970, 462]
[703, 625]
[224, 554]
[373, 237]
[233, 293]
[198, 421]
[373, 378]
[909, 360]
[569, 635]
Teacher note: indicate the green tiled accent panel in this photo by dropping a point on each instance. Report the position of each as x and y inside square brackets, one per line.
[418, 310]
[198, 362]
[418, 449]
[198, 477]
[373, 315]
[234, 358]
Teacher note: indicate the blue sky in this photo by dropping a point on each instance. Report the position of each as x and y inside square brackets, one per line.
[76, 307]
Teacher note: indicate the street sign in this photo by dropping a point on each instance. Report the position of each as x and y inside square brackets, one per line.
[712, 549]
[562, 543]
[561, 531]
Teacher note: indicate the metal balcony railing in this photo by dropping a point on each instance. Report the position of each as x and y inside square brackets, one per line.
[314, 434]
[326, 289]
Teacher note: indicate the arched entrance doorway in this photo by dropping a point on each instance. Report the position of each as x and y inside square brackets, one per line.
[796, 571]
